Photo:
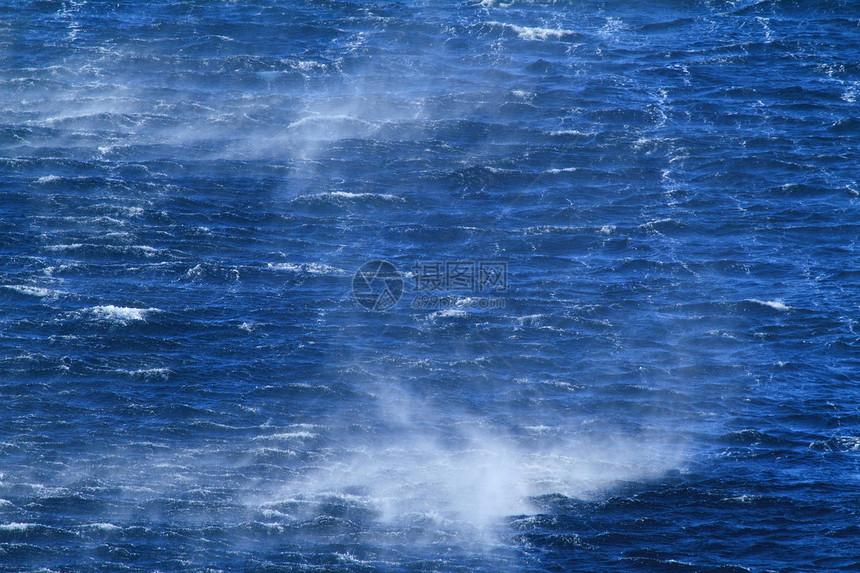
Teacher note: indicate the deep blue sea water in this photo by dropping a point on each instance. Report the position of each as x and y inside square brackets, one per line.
[617, 326]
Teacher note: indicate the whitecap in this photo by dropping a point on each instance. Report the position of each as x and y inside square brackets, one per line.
[69, 247]
[350, 196]
[15, 526]
[308, 65]
[148, 372]
[195, 272]
[103, 526]
[535, 33]
[306, 268]
[34, 291]
[774, 304]
[653, 223]
[145, 249]
[121, 314]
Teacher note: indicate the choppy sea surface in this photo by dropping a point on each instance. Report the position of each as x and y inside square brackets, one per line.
[429, 286]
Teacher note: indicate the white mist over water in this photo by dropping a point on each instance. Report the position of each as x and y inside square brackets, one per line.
[487, 477]
[440, 467]
[432, 463]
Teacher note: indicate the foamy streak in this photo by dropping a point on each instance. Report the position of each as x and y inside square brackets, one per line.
[349, 195]
[148, 372]
[307, 268]
[774, 304]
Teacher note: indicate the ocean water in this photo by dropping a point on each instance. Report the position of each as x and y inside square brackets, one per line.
[429, 286]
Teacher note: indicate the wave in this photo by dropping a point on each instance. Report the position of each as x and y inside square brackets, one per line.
[534, 33]
[34, 291]
[102, 526]
[120, 314]
[15, 526]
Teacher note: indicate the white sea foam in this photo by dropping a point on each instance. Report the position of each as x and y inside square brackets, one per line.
[448, 313]
[562, 132]
[350, 196]
[195, 272]
[121, 314]
[308, 65]
[540, 429]
[306, 268]
[148, 372]
[299, 435]
[15, 526]
[317, 119]
[651, 224]
[67, 247]
[34, 291]
[774, 304]
[144, 250]
[103, 526]
[535, 33]
[49, 271]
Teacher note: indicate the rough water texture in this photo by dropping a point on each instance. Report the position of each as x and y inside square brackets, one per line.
[666, 381]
